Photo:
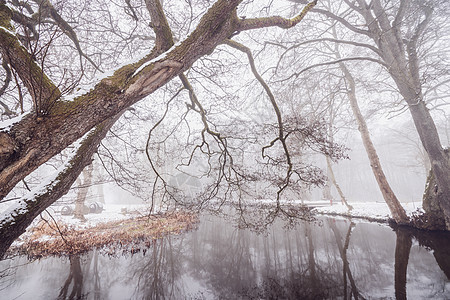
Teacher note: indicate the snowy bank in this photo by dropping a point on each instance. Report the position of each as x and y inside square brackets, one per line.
[373, 211]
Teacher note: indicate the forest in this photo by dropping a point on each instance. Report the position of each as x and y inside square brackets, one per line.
[204, 105]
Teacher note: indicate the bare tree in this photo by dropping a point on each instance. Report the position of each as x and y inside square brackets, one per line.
[83, 188]
[56, 122]
[397, 33]
[403, 38]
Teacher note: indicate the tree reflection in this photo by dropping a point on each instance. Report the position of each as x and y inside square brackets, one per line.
[338, 260]
[286, 263]
[402, 250]
[436, 241]
[74, 280]
[156, 274]
[345, 264]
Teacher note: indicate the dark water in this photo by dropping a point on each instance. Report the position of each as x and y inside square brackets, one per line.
[337, 260]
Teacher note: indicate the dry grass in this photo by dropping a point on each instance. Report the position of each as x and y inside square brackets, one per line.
[131, 235]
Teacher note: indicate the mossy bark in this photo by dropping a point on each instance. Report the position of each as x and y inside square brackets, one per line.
[41, 88]
[33, 141]
[38, 139]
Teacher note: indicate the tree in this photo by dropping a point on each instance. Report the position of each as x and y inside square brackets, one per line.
[83, 188]
[397, 211]
[57, 122]
[402, 37]
[399, 50]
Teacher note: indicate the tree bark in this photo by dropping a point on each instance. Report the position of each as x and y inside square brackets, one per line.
[18, 217]
[83, 188]
[401, 55]
[434, 217]
[397, 211]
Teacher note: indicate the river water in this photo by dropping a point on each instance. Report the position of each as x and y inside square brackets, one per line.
[332, 259]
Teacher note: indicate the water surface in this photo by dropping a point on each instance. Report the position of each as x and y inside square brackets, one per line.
[336, 259]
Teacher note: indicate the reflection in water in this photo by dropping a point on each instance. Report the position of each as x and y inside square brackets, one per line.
[74, 280]
[402, 250]
[336, 259]
[345, 264]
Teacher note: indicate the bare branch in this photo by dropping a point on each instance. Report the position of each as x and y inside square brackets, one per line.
[338, 41]
[332, 63]
[22, 62]
[131, 9]
[45, 5]
[254, 23]
[342, 21]
[281, 135]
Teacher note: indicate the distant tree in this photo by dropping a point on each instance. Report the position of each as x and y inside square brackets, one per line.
[83, 188]
[400, 36]
[403, 37]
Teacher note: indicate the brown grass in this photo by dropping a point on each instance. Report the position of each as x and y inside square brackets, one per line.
[131, 235]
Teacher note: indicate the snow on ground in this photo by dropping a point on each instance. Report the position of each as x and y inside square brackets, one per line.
[111, 212]
[374, 210]
[378, 211]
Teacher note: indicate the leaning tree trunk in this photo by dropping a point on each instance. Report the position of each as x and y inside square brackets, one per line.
[397, 211]
[336, 185]
[401, 55]
[436, 201]
[35, 139]
[31, 206]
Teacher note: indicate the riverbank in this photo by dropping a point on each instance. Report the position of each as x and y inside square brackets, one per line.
[370, 211]
[132, 228]
[116, 230]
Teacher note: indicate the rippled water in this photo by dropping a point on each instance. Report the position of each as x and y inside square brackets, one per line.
[336, 259]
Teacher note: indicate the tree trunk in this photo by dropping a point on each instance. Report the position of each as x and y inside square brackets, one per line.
[401, 55]
[434, 217]
[336, 185]
[326, 192]
[402, 249]
[397, 211]
[83, 188]
[21, 215]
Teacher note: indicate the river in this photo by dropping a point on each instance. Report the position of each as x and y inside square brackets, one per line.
[330, 259]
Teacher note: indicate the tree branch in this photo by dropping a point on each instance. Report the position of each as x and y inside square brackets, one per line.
[296, 74]
[281, 135]
[45, 5]
[40, 86]
[255, 23]
[357, 44]
[5, 85]
[21, 214]
[341, 20]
